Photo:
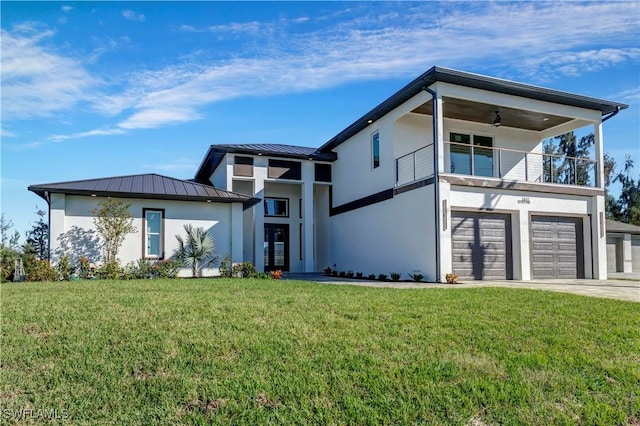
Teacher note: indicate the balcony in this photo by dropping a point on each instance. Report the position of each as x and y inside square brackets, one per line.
[498, 163]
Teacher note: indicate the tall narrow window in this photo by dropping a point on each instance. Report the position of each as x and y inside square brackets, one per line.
[152, 236]
[375, 149]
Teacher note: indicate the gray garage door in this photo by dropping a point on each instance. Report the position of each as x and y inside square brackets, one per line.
[557, 249]
[635, 254]
[613, 264]
[481, 245]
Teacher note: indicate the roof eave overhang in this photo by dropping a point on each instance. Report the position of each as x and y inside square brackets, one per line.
[476, 81]
[146, 196]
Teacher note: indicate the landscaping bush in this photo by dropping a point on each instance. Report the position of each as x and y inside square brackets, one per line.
[41, 270]
[358, 274]
[416, 277]
[226, 266]
[85, 270]
[65, 270]
[382, 277]
[371, 276]
[110, 271]
[327, 271]
[395, 276]
[350, 274]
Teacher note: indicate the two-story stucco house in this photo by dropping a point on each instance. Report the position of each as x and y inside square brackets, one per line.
[449, 174]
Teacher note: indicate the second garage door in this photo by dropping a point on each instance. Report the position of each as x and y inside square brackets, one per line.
[557, 249]
[481, 245]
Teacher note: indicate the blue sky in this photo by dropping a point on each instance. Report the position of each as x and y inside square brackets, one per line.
[96, 89]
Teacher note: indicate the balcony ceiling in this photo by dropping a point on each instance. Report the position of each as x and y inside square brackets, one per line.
[461, 109]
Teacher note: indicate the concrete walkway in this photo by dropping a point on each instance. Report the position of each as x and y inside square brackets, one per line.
[623, 289]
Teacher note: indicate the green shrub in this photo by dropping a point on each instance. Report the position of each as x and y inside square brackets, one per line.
[8, 257]
[41, 270]
[382, 277]
[110, 271]
[395, 276]
[416, 277]
[226, 266]
[263, 276]
[372, 276]
[358, 274]
[165, 269]
[327, 271]
[334, 273]
[64, 268]
[342, 274]
[85, 270]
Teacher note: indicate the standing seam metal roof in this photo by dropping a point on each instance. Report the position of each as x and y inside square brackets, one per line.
[149, 186]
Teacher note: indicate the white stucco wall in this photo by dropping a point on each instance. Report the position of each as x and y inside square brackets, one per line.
[222, 220]
[396, 235]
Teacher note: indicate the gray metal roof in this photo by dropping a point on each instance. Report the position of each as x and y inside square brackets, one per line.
[622, 228]
[216, 153]
[147, 186]
[476, 81]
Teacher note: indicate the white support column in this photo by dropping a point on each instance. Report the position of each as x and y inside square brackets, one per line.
[260, 169]
[445, 258]
[627, 260]
[524, 257]
[57, 207]
[236, 232]
[440, 132]
[229, 161]
[308, 176]
[597, 133]
[598, 238]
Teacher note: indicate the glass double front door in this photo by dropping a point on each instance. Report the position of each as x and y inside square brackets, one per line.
[276, 246]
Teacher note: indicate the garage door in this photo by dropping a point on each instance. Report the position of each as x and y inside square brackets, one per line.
[557, 249]
[612, 254]
[635, 254]
[481, 245]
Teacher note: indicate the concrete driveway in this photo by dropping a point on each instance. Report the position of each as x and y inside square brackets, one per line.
[623, 289]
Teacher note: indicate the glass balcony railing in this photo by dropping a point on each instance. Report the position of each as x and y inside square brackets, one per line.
[500, 163]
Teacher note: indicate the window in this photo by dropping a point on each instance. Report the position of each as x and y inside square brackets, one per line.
[243, 166]
[276, 207]
[323, 172]
[375, 149]
[471, 159]
[152, 238]
[283, 169]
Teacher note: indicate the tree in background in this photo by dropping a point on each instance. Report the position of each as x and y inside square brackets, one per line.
[113, 222]
[38, 237]
[9, 248]
[628, 205]
[564, 163]
[197, 250]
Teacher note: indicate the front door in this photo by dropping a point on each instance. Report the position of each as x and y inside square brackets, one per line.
[276, 246]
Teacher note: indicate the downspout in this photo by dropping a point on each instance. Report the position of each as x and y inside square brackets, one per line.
[612, 114]
[436, 173]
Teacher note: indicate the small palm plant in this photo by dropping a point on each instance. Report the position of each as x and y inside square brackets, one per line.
[197, 250]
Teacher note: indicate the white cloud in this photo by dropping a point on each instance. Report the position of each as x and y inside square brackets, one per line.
[66, 8]
[133, 16]
[6, 133]
[80, 135]
[176, 165]
[37, 81]
[534, 39]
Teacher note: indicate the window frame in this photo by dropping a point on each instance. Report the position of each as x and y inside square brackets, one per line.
[286, 200]
[471, 143]
[375, 150]
[242, 166]
[145, 254]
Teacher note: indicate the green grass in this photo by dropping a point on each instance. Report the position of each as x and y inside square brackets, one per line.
[283, 352]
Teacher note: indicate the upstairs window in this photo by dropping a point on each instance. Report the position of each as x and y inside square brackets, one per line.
[375, 149]
[282, 169]
[243, 166]
[278, 207]
[469, 158]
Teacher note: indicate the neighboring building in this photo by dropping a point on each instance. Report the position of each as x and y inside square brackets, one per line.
[623, 247]
[447, 175]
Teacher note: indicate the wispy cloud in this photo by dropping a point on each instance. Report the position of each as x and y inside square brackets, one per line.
[188, 165]
[37, 81]
[133, 16]
[533, 39]
[66, 8]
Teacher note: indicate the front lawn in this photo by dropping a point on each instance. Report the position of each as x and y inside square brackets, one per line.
[257, 352]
